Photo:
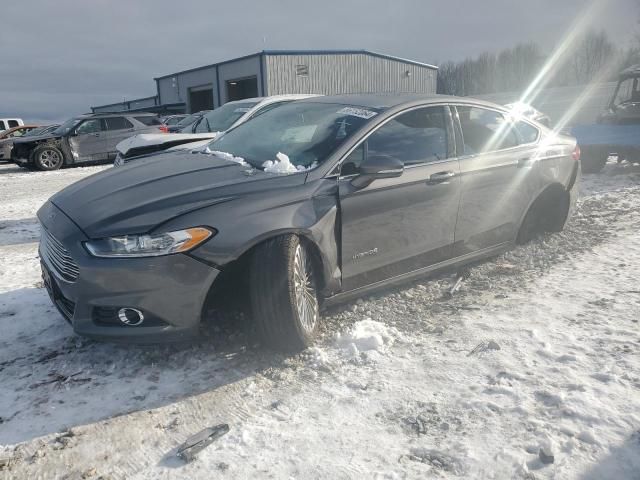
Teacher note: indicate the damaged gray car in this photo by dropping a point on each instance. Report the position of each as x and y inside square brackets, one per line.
[309, 204]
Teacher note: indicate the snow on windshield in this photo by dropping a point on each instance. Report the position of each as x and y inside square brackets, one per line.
[230, 157]
[283, 164]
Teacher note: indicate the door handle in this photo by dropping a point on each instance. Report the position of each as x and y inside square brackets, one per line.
[440, 177]
[524, 162]
[94, 134]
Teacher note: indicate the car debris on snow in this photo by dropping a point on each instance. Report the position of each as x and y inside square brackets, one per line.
[484, 346]
[198, 442]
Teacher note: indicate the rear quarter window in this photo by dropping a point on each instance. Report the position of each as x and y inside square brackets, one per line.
[149, 121]
[528, 133]
[118, 123]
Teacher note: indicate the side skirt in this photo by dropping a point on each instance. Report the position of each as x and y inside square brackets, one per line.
[422, 272]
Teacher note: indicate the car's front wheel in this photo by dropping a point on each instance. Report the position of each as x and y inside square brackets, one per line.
[283, 292]
[47, 157]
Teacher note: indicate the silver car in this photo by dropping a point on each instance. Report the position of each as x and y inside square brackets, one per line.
[83, 139]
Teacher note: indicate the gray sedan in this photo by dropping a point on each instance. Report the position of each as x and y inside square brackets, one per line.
[309, 204]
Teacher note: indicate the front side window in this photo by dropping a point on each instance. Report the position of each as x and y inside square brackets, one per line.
[89, 126]
[418, 136]
[628, 91]
[308, 133]
[118, 123]
[13, 123]
[485, 130]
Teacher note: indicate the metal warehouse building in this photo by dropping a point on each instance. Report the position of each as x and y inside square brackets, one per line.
[274, 72]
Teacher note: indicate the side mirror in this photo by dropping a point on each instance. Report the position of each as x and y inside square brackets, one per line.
[376, 167]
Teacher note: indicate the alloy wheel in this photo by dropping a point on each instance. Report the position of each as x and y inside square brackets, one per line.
[305, 290]
[49, 158]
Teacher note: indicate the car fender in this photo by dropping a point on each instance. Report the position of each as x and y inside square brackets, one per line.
[307, 210]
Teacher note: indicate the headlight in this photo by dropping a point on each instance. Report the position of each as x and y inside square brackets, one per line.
[149, 245]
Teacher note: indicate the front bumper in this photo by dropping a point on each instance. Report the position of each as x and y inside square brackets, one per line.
[169, 290]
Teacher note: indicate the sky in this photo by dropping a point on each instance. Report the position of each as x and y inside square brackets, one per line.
[59, 58]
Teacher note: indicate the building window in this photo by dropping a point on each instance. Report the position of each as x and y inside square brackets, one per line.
[302, 70]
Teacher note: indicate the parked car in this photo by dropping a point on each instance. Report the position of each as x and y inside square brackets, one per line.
[617, 130]
[170, 121]
[84, 139]
[526, 110]
[207, 127]
[6, 144]
[311, 203]
[185, 122]
[7, 123]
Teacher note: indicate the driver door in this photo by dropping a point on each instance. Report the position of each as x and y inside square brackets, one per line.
[398, 225]
[88, 143]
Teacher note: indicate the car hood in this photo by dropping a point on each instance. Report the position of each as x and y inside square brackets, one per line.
[153, 142]
[146, 193]
[34, 138]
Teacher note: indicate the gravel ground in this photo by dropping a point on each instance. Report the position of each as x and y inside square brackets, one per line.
[537, 352]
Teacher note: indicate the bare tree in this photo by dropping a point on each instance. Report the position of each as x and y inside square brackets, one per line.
[593, 53]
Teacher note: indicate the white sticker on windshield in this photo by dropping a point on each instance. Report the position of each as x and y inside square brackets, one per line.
[358, 112]
[241, 110]
[301, 134]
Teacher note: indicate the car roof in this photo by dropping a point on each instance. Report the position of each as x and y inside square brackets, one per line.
[632, 71]
[385, 101]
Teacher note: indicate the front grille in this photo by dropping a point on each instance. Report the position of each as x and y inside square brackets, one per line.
[58, 257]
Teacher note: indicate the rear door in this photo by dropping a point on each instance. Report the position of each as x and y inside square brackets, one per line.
[88, 142]
[117, 129]
[398, 225]
[498, 175]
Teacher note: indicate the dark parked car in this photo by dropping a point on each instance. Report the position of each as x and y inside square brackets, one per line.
[310, 203]
[186, 122]
[170, 121]
[84, 139]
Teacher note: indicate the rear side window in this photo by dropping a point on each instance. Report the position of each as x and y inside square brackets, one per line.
[118, 123]
[2, 125]
[528, 133]
[149, 121]
[418, 136]
[13, 123]
[485, 130]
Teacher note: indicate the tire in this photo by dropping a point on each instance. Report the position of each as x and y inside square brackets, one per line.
[48, 157]
[283, 293]
[547, 214]
[593, 159]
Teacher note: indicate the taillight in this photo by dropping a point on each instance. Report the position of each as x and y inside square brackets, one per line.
[164, 128]
[576, 153]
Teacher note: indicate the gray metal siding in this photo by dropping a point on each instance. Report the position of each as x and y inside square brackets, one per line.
[135, 104]
[349, 73]
[175, 89]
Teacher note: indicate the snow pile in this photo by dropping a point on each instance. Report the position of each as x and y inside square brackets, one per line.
[230, 157]
[366, 336]
[283, 164]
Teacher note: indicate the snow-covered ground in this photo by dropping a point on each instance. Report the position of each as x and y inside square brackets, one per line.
[539, 349]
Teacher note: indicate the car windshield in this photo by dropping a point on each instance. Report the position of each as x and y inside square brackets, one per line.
[67, 126]
[35, 131]
[305, 132]
[189, 120]
[224, 117]
[174, 120]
